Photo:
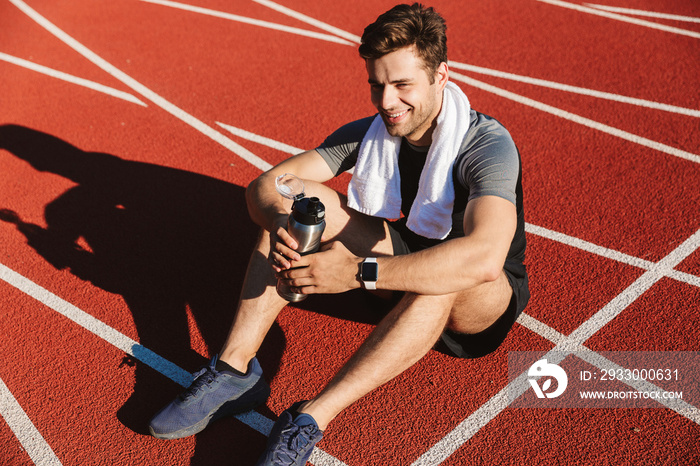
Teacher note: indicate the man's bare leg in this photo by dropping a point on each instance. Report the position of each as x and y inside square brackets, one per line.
[402, 338]
[258, 308]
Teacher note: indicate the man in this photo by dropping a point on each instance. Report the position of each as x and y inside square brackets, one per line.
[456, 252]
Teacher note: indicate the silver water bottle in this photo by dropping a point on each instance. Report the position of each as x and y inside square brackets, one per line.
[306, 224]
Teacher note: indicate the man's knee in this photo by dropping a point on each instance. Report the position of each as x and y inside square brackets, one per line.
[478, 308]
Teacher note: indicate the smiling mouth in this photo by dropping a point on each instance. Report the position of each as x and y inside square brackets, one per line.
[395, 117]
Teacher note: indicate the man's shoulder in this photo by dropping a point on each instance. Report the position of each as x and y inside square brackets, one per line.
[486, 134]
[487, 149]
[348, 134]
[485, 126]
[340, 148]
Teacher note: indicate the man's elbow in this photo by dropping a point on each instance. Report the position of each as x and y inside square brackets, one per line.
[252, 186]
[491, 268]
[491, 272]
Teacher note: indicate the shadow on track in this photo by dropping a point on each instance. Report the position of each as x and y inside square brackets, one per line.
[166, 240]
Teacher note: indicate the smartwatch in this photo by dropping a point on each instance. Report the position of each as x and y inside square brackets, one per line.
[369, 271]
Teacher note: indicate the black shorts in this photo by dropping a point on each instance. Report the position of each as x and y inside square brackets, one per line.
[479, 344]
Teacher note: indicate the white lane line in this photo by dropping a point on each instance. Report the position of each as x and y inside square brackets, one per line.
[115, 338]
[576, 90]
[451, 442]
[254, 22]
[577, 118]
[500, 401]
[649, 14]
[541, 329]
[685, 277]
[626, 19]
[589, 247]
[31, 439]
[547, 108]
[71, 79]
[140, 88]
[280, 146]
[564, 345]
[500, 74]
[321, 458]
[309, 20]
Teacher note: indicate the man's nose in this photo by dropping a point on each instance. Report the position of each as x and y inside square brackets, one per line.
[389, 97]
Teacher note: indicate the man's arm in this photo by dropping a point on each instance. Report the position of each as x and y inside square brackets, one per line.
[461, 263]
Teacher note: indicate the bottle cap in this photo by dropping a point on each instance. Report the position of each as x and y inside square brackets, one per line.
[309, 211]
[290, 186]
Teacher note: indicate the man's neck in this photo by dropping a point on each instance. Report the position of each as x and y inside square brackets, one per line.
[422, 149]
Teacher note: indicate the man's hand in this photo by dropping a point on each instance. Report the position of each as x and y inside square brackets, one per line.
[282, 246]
[334, 269]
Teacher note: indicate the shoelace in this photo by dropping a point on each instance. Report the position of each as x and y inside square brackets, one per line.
[202, 378]
[293, 440]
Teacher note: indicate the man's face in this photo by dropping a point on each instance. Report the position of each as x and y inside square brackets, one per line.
[404, 96]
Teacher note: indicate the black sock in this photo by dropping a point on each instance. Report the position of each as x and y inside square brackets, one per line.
[222, 366]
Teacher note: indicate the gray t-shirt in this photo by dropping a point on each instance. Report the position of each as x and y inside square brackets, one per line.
[488, 164]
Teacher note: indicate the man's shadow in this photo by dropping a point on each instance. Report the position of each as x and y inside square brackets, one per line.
[166, 240]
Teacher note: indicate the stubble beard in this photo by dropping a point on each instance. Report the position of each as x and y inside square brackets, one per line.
[415, 122]
[409, 127]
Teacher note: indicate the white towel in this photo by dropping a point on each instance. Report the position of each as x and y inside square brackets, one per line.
[375, 188]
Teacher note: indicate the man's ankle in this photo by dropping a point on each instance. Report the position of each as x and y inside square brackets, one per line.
[317, 413]
[225, 367]
[238, 363]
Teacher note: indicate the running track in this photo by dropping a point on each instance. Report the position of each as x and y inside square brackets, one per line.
[129, 129]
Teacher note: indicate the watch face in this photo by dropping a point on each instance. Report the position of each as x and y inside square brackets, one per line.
[369, 271]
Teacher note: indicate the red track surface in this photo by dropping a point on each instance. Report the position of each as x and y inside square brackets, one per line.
[135, 217]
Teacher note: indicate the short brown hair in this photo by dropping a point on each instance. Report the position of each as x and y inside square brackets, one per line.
[404, 26]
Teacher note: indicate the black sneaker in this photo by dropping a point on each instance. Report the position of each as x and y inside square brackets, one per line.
[292, 439]
[212, 395]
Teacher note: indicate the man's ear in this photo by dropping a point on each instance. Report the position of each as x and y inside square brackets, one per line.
[442, 75]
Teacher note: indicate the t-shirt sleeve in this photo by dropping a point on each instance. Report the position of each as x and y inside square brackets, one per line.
[341, 148]
[489, 164]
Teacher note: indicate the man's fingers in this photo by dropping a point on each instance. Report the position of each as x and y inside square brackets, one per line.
[279, 262]
[286, 252]
[287, 238]
[303, 286]
[281, 255]
[295, 272]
